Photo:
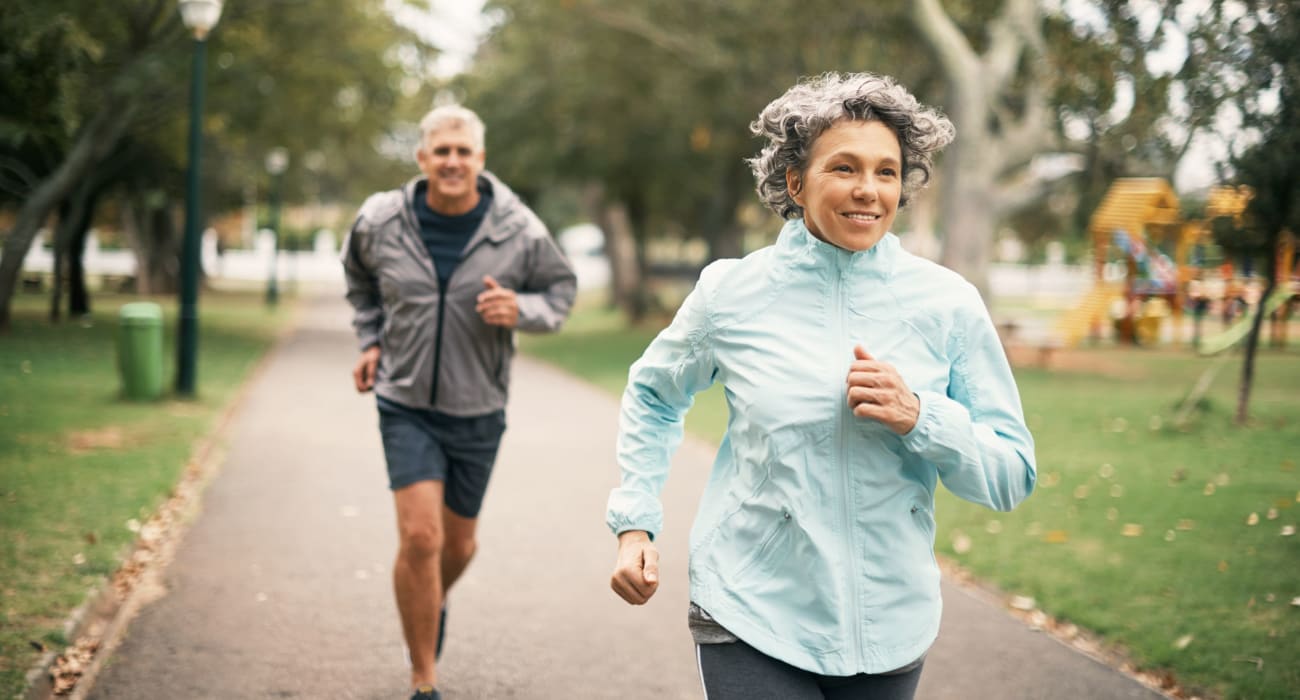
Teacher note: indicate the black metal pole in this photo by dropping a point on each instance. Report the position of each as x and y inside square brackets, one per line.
[272, 284]
[187, 337]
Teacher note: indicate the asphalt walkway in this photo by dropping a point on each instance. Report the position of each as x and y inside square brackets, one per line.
[282, 589]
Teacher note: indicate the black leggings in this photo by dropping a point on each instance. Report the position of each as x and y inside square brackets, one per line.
[737, 671]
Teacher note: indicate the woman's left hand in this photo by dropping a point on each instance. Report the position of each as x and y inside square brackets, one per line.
[876, 391]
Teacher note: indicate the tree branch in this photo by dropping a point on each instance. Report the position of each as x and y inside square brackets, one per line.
[691, 50]
[944, 38]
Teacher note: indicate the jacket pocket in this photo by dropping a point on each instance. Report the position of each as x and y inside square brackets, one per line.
[765, 543]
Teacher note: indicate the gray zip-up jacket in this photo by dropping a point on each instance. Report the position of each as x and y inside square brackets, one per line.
[436, 352]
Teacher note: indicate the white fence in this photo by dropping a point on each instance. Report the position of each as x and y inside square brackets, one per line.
[320, 264]
[1058, 282]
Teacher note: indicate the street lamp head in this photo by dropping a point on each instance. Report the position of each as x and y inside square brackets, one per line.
[277, 160]
[200, 16]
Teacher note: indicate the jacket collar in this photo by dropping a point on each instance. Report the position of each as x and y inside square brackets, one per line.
[505, 219]
[797, 245]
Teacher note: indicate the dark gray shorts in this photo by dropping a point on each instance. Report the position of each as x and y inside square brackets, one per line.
[424, 445]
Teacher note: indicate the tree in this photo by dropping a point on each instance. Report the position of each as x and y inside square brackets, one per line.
[646, 104]
[97, 85]
[1269, 166]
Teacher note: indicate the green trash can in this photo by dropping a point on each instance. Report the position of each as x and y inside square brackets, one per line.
[139, 350]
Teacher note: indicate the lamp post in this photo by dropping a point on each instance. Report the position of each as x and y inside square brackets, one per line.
[200, 16]
[276, 163]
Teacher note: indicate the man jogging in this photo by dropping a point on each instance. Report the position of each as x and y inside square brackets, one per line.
[441, 273]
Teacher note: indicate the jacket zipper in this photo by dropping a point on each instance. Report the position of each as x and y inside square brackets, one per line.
[442, 308]
[846, 479]
[437, 337]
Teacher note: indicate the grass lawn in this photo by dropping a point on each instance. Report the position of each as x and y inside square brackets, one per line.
[1173, 544]
[77, 463]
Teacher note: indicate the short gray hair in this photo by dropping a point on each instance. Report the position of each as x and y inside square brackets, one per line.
[793, 121]
[453, 115]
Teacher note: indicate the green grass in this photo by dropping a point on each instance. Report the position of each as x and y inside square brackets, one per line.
[77, 462]
[1110, 457]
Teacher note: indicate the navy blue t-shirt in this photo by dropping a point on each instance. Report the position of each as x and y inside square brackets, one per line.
[446, 236]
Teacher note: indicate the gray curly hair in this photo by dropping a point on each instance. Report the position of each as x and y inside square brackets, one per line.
[793, 121]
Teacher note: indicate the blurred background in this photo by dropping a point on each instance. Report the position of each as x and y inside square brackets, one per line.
[631, 119]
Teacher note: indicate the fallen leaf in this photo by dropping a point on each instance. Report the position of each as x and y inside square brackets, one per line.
[1270, 597]
[1021, 602]
[960, 542]
[79, 559]
[1180, 474]
[1081, 492]
[1222, 479]
[1223, 566]
[1170, 535]
[1295, 602]
[1119, 425]
[1287, 530]
[1056, 537]
[1183, 641]
[1116, 491]
[26, 366]
[993, 527]
[1106, 471]
[1186, 524]
[1131, 530]
[1112, 514]
[1252, 519]
[1271, 514]
[133, 525]
[1209, 489]
[1154, 423]
[90, 538]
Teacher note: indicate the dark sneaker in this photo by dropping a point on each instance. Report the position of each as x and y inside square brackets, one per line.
[426, 692]
[442, 631]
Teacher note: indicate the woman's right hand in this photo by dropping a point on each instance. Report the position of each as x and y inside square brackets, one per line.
[636, 572]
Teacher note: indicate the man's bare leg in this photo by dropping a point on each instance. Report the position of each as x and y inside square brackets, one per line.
[417, 574]
[459, 547]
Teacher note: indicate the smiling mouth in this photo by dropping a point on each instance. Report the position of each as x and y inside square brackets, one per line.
[865, 218]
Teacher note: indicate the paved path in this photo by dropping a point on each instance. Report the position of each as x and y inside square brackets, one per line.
[281, 588]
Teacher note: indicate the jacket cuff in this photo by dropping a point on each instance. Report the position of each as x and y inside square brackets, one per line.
[922, 434]
[366, 340]
[634, 510]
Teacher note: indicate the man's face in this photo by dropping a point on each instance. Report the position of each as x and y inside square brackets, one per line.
[452, 162]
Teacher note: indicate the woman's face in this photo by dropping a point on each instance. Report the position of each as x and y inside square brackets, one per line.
[850, 190]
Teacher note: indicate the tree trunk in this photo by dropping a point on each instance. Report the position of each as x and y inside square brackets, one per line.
[1002, 120]
[151, 230]
[967, 222]
[625, 279]
[723, 233]
[78, 295]
[56, 280]
[97, 138]
[1248, 362]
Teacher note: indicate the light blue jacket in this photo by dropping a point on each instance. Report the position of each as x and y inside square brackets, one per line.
[814, 540]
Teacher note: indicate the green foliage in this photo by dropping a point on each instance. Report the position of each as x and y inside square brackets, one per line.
[324, 79]
[77, 463]
[1109, 457]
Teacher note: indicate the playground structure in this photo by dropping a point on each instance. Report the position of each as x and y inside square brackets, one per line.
[1151, 266]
